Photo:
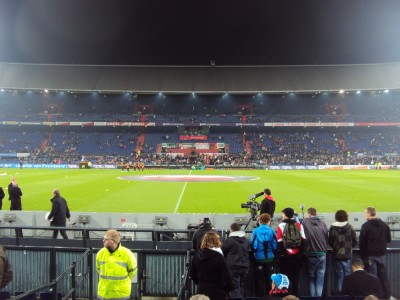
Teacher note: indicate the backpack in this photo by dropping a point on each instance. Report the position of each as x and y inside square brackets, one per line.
[291, 236]
[7, 273]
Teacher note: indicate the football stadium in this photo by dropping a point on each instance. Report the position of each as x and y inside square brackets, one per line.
[165, 148]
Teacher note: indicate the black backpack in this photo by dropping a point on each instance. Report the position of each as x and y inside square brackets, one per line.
[7, 273]
[291, 236]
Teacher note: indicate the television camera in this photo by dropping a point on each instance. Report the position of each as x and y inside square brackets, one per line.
[253, 206]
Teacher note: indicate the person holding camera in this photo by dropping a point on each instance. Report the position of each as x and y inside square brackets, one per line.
[268, 204]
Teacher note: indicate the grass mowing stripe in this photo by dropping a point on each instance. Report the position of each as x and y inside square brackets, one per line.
[181, 195]
[101, 190]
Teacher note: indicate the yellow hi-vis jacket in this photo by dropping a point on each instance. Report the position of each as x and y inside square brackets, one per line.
[115, 273]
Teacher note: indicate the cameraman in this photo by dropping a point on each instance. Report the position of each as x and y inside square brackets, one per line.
[268, 204]
[204, 226]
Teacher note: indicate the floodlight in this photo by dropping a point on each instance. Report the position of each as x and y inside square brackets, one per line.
[160, 220]
[10, 218]
[83, 219]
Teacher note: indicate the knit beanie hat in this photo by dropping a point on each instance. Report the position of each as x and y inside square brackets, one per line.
[281, 281]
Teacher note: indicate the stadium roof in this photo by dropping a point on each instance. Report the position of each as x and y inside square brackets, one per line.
[200, 79]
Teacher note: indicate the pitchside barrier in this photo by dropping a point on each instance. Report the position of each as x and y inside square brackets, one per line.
[159, 241]
[134, 223]
[161, 273]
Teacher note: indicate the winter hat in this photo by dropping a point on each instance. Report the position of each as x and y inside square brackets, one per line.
[281, 281]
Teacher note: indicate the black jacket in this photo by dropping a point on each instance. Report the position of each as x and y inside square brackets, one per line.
[2, 195]
[374, 236]
[59, 211]
[268, 206]
[211, 274]
[15, 194]
[236, 250]
[198, 235]
[361, 283]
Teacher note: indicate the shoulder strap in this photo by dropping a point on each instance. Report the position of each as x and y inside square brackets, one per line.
[254, 239]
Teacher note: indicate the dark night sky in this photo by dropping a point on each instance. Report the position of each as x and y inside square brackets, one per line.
[185, 32]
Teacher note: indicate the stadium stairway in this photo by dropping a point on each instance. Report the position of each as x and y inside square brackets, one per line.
[140, 141]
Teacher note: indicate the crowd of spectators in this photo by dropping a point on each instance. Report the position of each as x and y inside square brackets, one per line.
[328, 147]
[272, 260]
[256, 145]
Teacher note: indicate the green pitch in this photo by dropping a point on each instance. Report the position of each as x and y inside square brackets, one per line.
[103, 190]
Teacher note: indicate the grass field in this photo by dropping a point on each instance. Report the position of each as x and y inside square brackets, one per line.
[103, 191]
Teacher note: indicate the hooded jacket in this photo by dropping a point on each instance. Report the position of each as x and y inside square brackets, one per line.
[211, 274]
[198, 235]
[374, 236]
[260, 236]
[317, 235]
[236, 250]
[342, 239]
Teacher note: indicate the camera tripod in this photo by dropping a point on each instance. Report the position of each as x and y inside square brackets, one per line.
[253, 219]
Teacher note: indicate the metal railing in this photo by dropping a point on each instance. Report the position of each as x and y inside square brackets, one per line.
[70, 275]
[186, 281]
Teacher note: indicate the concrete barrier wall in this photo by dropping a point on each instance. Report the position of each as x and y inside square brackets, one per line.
[172, 221]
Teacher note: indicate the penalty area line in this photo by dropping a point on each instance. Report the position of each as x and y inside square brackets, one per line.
[181, 195]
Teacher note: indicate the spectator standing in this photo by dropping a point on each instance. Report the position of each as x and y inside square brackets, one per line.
[204, 226]
[15, 197]
[374, 236]
[13, 180]
[59, 214]
[2, 195]
[361, 283]
[342, 239]
[263, 244]
[209, 270]
[15, 194]
[316, 232]
[236, 252]
[268, 204]
[290, 260]
[116, 266]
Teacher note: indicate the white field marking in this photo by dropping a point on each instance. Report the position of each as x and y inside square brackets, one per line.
[181, 195]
